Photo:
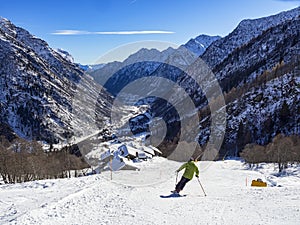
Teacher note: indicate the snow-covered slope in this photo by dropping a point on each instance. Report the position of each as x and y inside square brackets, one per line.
[44, 96]
[257, 115]
[133, 197]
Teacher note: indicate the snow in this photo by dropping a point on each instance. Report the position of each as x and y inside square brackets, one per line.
[133, 197]
[66, 55]
[99, 154]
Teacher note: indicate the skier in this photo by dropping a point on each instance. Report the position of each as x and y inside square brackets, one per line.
[190, 169]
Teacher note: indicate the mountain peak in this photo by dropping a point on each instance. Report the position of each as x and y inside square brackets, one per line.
[4, 21]
[199, 44]
[7, 27]
[145, 54]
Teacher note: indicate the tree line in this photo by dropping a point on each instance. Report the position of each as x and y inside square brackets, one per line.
[22, 161]
[281, 151]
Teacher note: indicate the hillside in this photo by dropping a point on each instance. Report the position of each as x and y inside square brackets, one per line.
[246, 31]
[256, 89]
[44, 96]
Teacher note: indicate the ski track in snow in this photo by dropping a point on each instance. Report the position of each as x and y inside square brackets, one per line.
[133, 197]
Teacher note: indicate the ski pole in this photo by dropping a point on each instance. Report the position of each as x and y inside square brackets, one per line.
[176, 178]
[201, 186]
[199, 156]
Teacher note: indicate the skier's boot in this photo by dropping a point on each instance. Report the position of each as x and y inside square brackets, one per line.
[176, 191]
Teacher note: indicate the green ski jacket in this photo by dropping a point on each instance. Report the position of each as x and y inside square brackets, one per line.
[190, 169]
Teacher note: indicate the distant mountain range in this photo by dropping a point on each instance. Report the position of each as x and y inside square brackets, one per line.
[149, 61]
[45, 96]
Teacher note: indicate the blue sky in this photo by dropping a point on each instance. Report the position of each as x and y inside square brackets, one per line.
[174, 21]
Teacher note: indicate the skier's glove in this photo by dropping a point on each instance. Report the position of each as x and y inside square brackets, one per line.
[197, 176]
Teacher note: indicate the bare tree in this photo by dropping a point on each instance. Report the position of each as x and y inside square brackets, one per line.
[254, 154]
[280, 151]
[22, 161]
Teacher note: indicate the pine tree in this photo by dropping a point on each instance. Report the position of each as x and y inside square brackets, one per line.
[284, 113]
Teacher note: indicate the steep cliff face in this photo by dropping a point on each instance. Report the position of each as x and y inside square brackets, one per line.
[44, 96]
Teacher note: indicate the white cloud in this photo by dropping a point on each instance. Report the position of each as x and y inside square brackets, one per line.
[70, 32]
[80, 32]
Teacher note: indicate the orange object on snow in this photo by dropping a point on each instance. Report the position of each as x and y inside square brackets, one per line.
[258, 183]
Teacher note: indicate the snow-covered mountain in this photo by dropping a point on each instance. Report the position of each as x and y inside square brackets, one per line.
[150, 57]
[246, 31]
[199, 44]
[257, 66]
[259, 53]
[260, 58]
[44, 96]
[153, 65]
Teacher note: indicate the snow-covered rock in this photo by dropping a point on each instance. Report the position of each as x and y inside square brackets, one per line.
[65, 54]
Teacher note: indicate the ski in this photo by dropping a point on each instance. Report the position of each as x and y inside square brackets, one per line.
[172, 196]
